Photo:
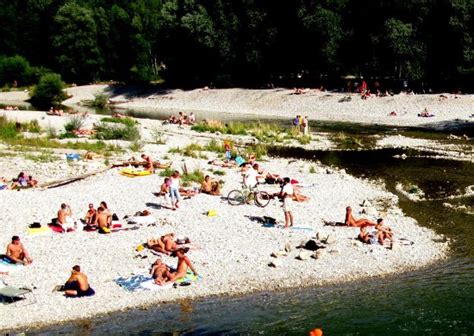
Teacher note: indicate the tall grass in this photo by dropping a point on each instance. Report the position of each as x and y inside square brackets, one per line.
[125, 121]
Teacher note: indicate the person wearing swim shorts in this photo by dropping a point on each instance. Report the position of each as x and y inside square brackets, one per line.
[78, 285]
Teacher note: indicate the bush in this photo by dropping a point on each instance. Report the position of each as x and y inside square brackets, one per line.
[8, 129]
[125, 121]
[15, 70]
[49, 91]
[74, 124]
[100, 100]
[107, 131]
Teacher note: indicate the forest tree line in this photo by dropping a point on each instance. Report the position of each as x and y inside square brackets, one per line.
[250, 43]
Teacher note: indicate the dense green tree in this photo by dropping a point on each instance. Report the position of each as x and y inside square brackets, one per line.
[75, 42]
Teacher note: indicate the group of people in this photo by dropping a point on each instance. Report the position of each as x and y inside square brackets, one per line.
[100, 218]
[54, 111]
[378, 235]
[22, 181]
[301, 124]
[182, 119]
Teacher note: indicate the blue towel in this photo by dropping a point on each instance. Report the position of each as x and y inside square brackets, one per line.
[132, 283]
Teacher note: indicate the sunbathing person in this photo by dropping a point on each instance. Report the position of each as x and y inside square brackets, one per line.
[78, 285]
[187, 192]
[269, 178]
[159, 271]
[17, 253]
[351, 221]
[383, 232]
[90, 215]
[210, 187]
[107, 211]
[298, 196]
[64, 217]
[165, 244]
[366, 237]
[223, 164]
[103, 220]
[20, 182]
[182, 267]
[148, 163]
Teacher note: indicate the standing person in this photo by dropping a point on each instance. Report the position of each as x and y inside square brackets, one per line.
[305, 125]
[228, 151]
[250, 177]
[174, 190]
[296, 121]
[148, 163]
[287, 194]
[17, 253]
[78, 285]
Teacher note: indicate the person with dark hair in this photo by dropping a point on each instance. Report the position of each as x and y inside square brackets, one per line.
[107, 212]
[182, 267]
[286, 194]
[148, 163]
[78, 285]
[103, 220]
[64, 217]
[383, 232]
[91, 214]
[210, 187]
[17, 253]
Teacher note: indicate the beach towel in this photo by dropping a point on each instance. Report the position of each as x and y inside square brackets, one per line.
[40, 230]
[293, 228]
[56, 228]
[129, 172]
[146, 282]
[141, 220]
[6, 265]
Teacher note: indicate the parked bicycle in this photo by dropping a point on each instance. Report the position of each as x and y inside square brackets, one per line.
[245, 195]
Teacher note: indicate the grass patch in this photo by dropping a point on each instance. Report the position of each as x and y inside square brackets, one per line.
[157, 136]
[194, 176]
[344, 141]
[136, 146]
[312, 170]
[219, 172]
[74, 124]
[189, 150]
[99, 146]
[42, 157]
[124, 121]
[166, 172]
[304, 140]
[100, 101]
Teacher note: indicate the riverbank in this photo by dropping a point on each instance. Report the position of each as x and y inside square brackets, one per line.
[234, 249]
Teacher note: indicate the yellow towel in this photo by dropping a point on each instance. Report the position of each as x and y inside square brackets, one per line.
[43, 229]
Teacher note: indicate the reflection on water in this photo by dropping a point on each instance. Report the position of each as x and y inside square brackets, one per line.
[435, 300]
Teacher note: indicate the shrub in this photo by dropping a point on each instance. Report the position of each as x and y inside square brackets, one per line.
[33, 126]
[74, 124]
[167, 172]
[194, 176]
[136, 146]
[49, 91]
[15, 69]
[215, 146]
[8, 129]
[157, 136]
[107, 131]
[100, 101]
[305, 139]
[125, 121]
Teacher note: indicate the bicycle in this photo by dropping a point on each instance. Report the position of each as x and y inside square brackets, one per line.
[238, 197]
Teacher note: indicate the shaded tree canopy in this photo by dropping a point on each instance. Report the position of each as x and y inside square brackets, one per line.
[250, 43]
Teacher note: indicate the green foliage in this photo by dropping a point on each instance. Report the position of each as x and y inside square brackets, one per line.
[312, 170]
[136, 146]
[166, 172]
[100, 101]
[219, 172]
[75, 42]
[126, 121]
[49, 91]
[194, 176]
[304, 140]
[157, 136]
[74, 123]
[8, 129]
[214, 146]
[42, 157]
[33, 126]
[118, 131]
[15, 70]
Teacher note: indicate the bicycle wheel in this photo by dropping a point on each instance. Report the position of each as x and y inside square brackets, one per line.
[262, 198]
[235, 197]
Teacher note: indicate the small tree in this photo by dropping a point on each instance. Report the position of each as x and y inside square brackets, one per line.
[15, 70]
[49, 91]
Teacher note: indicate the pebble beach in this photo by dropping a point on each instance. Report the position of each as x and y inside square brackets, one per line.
[233, 250]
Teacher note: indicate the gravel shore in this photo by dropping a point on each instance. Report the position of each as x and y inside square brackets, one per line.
[234, 250]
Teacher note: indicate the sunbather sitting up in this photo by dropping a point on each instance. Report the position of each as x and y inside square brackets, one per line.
[78, 285]
[351, 221]
[64, 217]
[90, 215]
[383, 232]
[17, 253]
[103, 220]
[210, 187]
[182, 267]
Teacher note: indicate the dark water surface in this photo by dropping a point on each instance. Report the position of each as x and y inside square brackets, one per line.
[437, 300]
